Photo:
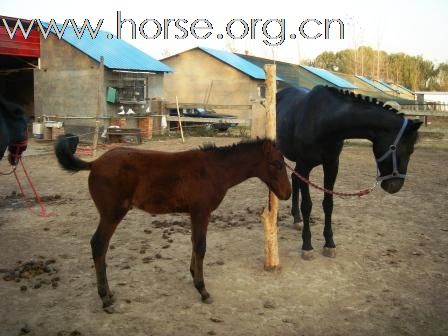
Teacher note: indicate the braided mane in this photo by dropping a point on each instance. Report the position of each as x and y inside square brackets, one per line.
[359, 98]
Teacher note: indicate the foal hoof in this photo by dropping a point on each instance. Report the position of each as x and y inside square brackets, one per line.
[308, 255]
[206, 298]
[329, 252]
[109, 309]
[108, 300]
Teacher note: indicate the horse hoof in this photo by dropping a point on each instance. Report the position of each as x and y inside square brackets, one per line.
[298, 226]
[329, 252]
[308, 255]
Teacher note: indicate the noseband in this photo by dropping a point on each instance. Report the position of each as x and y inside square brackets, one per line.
[393, 151]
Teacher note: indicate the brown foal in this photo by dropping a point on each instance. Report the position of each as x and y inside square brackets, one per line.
[193, 182]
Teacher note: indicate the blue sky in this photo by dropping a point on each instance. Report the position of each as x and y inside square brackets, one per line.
[412, 27]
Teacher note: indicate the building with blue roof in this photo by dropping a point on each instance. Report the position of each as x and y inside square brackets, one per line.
[216, 80]
[219, 79]
[72, 82]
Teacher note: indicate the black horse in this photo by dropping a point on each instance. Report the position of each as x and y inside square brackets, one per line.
[13, 130]
[311, 128]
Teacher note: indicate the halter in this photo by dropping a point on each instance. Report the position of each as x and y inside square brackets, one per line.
[393, 151]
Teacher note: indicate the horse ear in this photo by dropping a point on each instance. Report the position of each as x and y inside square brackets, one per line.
[267, 146]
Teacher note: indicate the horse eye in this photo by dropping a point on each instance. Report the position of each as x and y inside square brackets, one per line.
[277, 164]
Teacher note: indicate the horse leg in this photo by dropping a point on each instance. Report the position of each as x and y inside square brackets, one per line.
[100, 243]
[295, 211]
[199, 224]
[305, 207]
[330, 173]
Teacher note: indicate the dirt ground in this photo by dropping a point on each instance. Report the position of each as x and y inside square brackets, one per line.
[390, 276]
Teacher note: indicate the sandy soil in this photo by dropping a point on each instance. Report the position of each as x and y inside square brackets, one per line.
[390, 276]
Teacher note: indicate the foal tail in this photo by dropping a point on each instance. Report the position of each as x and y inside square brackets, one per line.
[65, 149]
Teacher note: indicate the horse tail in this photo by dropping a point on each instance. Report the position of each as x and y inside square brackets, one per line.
[65, 149]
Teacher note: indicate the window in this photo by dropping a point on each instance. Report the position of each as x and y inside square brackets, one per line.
[132, 90]
[261, 90]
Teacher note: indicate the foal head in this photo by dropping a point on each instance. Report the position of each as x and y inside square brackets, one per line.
[273, 170]
[393, 152]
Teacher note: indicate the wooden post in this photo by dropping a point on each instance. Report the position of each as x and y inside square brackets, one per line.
[100, 104]
[269, 214]
[180, 122]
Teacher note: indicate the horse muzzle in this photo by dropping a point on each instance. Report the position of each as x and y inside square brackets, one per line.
[13, 159]
[392, 185]
[15, 152]
[285, 192]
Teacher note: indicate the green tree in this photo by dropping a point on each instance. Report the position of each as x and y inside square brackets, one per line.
[412, 71]
[440, 80]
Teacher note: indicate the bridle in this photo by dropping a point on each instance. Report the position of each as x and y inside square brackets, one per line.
[392, 151]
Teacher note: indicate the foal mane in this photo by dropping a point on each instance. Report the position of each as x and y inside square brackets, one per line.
[359, 98]
[211, 147]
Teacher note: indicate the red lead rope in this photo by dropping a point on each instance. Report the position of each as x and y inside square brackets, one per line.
[43, 212]
[18, 157]
[332, 192]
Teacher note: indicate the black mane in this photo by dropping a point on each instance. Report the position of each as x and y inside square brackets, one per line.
[211, 147]
[359, 98]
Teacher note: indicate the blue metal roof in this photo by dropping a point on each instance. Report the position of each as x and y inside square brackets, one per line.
[405, 88]
[237, 62]
[330, 77]
[117, 53]
[375, 84]
[387, 85]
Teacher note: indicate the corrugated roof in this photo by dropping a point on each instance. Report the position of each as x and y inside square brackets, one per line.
[330, 77]
[286, 72]
[117, 53]
[290, 74]
[375, 84]
[404, 88]
[367, 89]
[389, 86]
[236, 62]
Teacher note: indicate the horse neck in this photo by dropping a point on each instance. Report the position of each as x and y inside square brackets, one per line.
[360, 121]
[237, 165]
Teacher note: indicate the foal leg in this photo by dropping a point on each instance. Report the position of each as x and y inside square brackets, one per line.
[295, 211]
[330, 173]
[100, 243]
[193, 259]
[199, 223]
[305, 207]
